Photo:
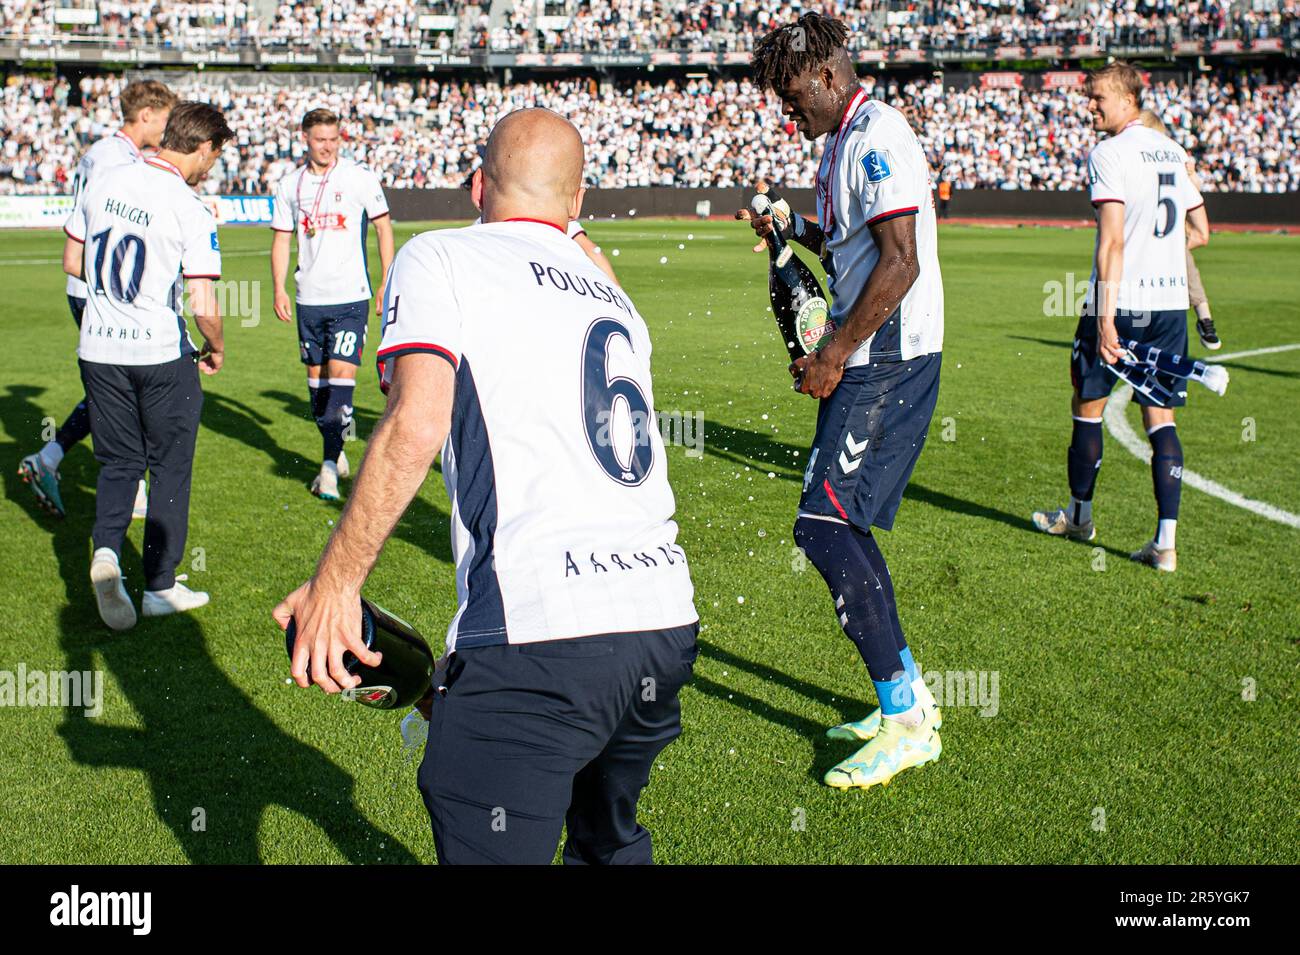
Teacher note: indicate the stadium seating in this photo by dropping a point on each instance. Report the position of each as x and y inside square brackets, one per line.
[636, 25]
[700, 132]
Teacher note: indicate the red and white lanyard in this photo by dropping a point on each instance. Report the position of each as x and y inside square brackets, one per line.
[130, 142]
[163, 164]
[826, 189]
[309, 222]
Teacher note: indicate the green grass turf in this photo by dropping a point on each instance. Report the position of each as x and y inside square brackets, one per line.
[1120, 691]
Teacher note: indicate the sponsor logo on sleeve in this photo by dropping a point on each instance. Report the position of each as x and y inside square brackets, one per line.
[877, 165]
[216, 246]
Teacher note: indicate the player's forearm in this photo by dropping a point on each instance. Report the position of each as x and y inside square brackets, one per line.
[397, 459]
[386, 247]
[72, 254]
[1110, 272]
[279, 261]
[207, 312]
[807, 233]
[888, 284]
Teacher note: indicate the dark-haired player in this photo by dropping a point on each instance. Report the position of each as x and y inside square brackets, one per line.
[328, 203]
[877, 377]
[136, 233]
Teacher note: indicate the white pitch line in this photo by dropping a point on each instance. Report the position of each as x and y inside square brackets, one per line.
[1122, 431]
[225, 255]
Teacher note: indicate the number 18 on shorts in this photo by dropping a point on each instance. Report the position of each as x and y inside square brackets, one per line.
[332, 332]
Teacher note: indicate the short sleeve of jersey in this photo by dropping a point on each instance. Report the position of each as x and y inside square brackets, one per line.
[878, 177]
[282, 214]
[575, 229]
[1105, 177]
[420, 309]
[200, 248]
[372, 195]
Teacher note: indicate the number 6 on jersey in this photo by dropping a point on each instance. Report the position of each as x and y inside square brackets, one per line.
[615, 410]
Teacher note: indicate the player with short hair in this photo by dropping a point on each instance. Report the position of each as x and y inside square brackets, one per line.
[329, 203]
[145, 106]
[139, 236]
[511, 351]
[877, 376]
[1149, 214]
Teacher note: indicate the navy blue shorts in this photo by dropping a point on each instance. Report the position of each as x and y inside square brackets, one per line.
[332, 332]
[78, 308]
[526, 740]
[870, 432]
[1164, 330]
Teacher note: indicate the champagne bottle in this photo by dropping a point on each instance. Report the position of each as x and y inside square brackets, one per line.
[797, 298]
[402, 676]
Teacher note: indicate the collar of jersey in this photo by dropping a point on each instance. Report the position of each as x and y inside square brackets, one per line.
[130, 142]
[162, 164]
[538, 221]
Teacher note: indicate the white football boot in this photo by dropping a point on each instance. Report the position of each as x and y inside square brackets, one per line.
[1153, 556]
[175, 599]
[115, 607]
[326, 484]
[1058, 524]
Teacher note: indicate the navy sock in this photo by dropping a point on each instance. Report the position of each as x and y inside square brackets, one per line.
[75, 428]
[867, 541]
[320, 394]
[1166, 470]
[1083, 460]
[337, 417]
[860, 603]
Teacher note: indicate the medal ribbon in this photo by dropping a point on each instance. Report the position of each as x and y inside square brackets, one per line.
[310, 224]
[826, 191]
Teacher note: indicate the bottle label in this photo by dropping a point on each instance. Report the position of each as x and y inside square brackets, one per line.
[783, 257]
[814, 325]
[376, 696]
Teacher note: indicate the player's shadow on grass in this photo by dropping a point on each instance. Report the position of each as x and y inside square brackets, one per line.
[760, 451]
[201, 742]
[423, 525]
[827, 752]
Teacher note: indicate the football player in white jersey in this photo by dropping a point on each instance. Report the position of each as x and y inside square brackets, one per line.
[877, 376]
[328, 203]
[1196, 296]
[140, 237]
[1149, 214]
[145, 105]
[513, 353]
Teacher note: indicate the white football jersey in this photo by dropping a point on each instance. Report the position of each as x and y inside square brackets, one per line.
[144, 232]
[115, 150]
[330, 214]
[874, 169]
[1147, 172]
[561, 514]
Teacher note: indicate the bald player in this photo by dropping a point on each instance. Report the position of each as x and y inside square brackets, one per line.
[506, 347]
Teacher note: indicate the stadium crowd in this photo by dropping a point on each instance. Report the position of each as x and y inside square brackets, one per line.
[698, 132]
[645, 25]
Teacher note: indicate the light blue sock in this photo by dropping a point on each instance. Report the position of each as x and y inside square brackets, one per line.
[895, 695]
[913, 672]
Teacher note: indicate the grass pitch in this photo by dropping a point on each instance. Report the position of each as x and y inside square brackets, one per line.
[1138, 718]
